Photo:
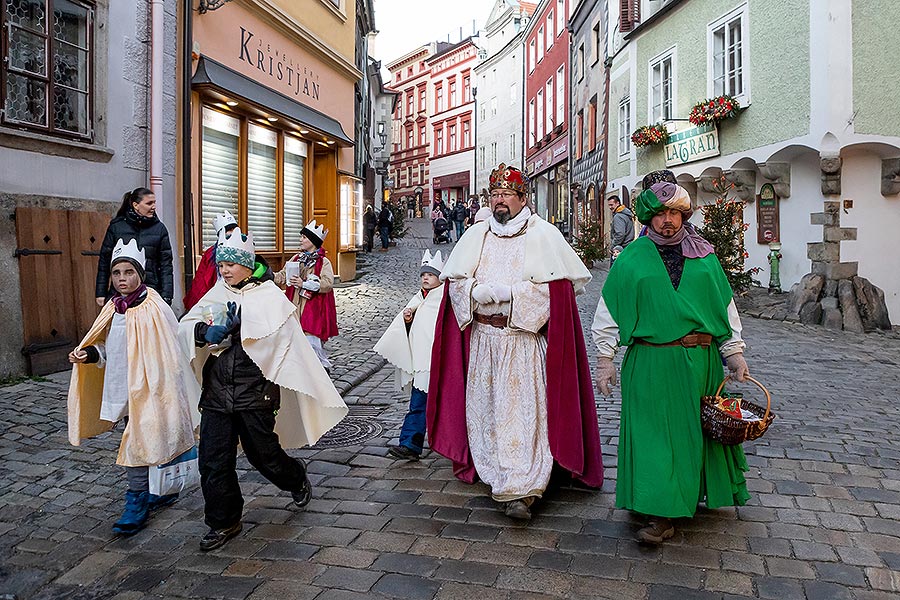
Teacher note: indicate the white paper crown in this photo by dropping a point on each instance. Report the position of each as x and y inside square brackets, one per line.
[315, 229]
[129, 251]
[236, 240]
[432, 263]
[223, 220]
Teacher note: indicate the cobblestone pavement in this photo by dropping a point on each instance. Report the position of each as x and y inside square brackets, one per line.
[823, 523]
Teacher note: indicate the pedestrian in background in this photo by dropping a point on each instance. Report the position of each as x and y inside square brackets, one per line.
[411, 207]
[129, 367]
[385, 222]
[459, 215]
[668, 300]
[473, 209]
[137, 220]
[622, 228]
[370, 221]
[407, 345]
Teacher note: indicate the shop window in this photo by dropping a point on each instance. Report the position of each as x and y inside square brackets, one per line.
[351, 212]
[262, 184]
[295, 152]
[47, 53]
[220, 166]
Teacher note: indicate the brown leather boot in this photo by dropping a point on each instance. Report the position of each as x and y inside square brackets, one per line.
[658, 530]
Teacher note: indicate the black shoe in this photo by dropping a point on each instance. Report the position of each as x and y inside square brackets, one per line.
[517, 509]
[403, 453]
[216, 538]
[303, 497]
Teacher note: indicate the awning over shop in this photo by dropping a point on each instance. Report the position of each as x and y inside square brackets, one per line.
[213, 75]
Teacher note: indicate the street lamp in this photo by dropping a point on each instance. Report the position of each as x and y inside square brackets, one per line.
[208, 5]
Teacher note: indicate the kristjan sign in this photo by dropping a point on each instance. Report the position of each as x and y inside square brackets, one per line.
[300, 80]
[692, 144]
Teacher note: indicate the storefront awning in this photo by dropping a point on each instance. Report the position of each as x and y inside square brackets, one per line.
[213, 75]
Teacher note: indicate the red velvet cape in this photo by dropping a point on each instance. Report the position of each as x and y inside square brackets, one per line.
[319, 317]
[571, 413]
[204, 279]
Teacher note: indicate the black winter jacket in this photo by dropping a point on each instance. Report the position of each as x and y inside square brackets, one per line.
[231, 381]
[151, 235]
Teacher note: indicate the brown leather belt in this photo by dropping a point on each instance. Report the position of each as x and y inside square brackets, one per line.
[691, 340]
[499, 321]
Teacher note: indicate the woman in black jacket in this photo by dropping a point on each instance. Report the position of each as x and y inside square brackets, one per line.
[137, 220]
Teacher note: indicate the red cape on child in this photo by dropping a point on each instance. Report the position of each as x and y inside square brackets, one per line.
[571, 413]
[319, 317]
[204, 278]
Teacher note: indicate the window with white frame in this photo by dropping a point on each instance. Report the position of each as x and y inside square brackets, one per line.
[540, 44]
[531, 130]
[727, 52]
[467, 134]
[550, 35]
[579, 64]
[494, 106]
[662, 87]
[561, 94]
[532, 56]
[493, 153]
[560, 16]
[513, 93]
[624, 126]
[451, 138]
[481, 153]
[597, 42]
[540, 114]
[549, 96]
[439, 139]
[512, 146]
[483, 111]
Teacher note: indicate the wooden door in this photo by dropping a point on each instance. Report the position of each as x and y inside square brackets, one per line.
[86, 232]
[325, 199]
[46, 279]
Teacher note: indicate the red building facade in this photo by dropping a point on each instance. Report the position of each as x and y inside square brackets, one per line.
[547, 119]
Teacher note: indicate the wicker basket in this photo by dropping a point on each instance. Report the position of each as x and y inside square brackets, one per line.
[730, 430]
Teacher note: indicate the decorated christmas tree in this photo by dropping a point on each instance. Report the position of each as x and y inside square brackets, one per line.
[724, 227]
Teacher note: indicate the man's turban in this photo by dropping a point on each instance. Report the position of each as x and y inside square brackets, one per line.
[660, 196]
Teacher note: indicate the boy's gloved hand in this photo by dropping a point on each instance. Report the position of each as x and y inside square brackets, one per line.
[215, 334]
[483, 293]
[233, 317]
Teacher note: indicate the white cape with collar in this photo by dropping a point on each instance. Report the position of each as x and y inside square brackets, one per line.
[410, 351]
[548, 256]
[272, 338]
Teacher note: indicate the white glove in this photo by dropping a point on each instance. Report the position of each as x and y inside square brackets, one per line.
[484, 293]
[606, 375]
[311, 284]
[738, 366]
[502, 292]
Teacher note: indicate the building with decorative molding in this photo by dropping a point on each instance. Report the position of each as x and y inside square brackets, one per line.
[547, 85]
[451, 121]
[819, 120]
[500, 90]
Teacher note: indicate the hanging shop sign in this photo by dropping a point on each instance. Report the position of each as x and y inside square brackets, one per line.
[691, 144]
[767, 215]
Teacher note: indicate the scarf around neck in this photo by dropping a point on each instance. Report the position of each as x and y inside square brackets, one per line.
[123, 302]
[692, 244]
[513, 226]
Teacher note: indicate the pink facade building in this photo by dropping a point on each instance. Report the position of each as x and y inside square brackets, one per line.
[547, 72]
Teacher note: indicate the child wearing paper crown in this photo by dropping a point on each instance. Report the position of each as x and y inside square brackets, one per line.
[128, 367]
[313, 289]
[254, 363]
[407, 345]
[208, 271]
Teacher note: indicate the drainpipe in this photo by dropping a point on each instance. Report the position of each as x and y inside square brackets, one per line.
[156, 100]
[187, 199]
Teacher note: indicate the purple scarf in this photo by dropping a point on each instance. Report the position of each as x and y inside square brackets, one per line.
[692, 245]
[123, 302]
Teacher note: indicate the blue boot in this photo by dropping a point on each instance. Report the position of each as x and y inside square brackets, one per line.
[157, 502]
[134, 517]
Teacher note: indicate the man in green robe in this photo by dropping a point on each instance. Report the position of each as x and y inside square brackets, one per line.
[668, 300]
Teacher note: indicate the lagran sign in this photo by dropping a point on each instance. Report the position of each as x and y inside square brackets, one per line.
[690, 145]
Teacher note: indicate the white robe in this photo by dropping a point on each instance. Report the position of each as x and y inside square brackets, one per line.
[410, 350]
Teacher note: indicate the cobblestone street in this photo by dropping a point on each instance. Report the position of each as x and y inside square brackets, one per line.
[823, 522]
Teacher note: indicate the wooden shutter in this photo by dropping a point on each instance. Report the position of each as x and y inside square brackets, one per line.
[629, 14]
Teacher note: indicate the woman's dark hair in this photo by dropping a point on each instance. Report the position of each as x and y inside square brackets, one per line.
[135, 195]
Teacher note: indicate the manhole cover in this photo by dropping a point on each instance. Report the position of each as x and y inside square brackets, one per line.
[357, 427]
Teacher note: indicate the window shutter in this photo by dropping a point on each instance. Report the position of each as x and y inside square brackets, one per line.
[294, 164]
[629, 14]
[261, 186]
[219, 170]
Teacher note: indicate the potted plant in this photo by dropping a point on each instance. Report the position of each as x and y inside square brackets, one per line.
[648, 135]
[713, 110]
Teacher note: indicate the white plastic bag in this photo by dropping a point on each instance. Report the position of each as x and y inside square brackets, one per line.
[175, 476]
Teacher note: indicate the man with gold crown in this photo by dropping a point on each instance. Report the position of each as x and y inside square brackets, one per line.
[311, 288]
[407, 345]
[208, 271]
[129, 367]
[511, 393]
[668, 300]
[253, 362]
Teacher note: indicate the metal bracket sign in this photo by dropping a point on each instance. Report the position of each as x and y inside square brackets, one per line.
[692, 144]
[767, 215]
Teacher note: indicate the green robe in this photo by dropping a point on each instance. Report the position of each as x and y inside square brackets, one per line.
[666, 465]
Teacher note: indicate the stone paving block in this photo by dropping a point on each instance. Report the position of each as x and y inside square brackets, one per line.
[408, 587]
[204, 563]
[891, 559]
[407, 564]
[440, 547]
[586, 544]
[601, 566]
[459, 591]
[843, 574]
[471, 533]
[548, 559]
[813, 551]
[668, 592]
[771, 547]
[384, 541]
[230, 588]
[789, 568]
[537, 581]
[361, 522]
[777, 588]
[357, 580]
[414, 526]
[330, 536]
[660, 573]
[283, 590]
[345, 557]
[694, 557]
[282, 550]
[292, 570]
[528, 537]
[500, 554]
[467, 572]
[820, 590]
[90, 569]
[725, 581]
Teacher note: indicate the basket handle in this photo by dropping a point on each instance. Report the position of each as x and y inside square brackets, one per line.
[758, 384]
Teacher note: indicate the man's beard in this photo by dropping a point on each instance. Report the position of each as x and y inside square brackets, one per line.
[502, 217]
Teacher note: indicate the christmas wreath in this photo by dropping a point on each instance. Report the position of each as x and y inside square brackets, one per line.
[713, 110]
[648, 135]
